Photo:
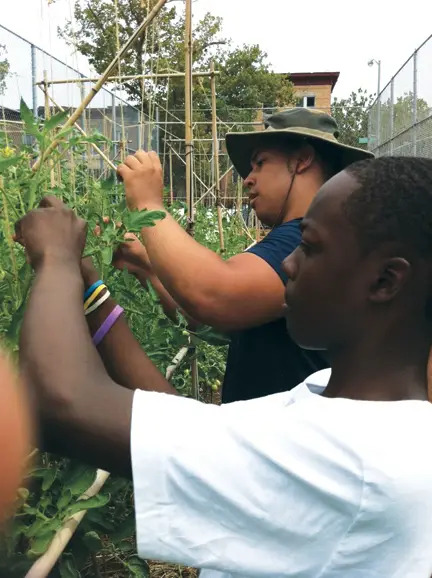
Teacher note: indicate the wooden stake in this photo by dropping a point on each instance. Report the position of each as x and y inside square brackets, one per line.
[43, 565]
[156, 75]
[96, 148]
[99, 84]
[216, 173]
[47, 116]
[188, 112]
[171, 178]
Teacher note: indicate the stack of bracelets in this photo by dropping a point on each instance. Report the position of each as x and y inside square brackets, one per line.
[92, 301]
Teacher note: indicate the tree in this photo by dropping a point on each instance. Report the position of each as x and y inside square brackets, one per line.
[351, 114]
[245, 79]
[4, 68]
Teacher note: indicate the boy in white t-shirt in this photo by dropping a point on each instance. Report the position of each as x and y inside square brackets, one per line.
[330, 480]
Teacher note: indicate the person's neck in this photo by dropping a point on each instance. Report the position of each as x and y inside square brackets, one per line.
[394, 370]
[300, 199]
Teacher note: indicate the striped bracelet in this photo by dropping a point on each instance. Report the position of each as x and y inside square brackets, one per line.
[97, 304]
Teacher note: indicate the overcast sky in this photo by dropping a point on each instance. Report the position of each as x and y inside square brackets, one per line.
[305, 36]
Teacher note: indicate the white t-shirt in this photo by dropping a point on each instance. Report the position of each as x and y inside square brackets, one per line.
[290, 485]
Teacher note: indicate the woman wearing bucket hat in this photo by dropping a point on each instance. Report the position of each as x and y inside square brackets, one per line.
[283, 166]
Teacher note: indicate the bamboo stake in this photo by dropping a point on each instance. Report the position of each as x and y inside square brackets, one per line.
[188, 111]
[210, 189]
[216, 158]
[176, 362]
[171, 178]
[77, 126]
[99, 84]
[189, 154]
[196, 176]
[47, 116]
[131, 77]
[43, 566]
[7, 227]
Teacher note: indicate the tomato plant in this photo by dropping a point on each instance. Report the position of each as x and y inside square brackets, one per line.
[53, 486]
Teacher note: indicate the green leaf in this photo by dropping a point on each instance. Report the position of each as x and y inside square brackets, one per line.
[35, 528]
[50, 476]
[15, 324]
[82, 477]
[9, 162]
[31, 198]
[99, 519]
[67, 567]
[138, 567]
[136, 220]
[29, 121]
[126, 547]
[64, 500]
[94, 502]
[92, 541]
[41, 542]
[107, 255]
[211, 336]
[55, 120]
[108, 183]
[125, 530]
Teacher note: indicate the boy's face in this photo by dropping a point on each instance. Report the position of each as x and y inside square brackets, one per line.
[268, 183]
[329, 278]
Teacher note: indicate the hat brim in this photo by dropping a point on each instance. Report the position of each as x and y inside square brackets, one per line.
[242, 145]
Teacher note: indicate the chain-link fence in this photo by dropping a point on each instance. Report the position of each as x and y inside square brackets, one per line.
[400, 120]
[23, 69]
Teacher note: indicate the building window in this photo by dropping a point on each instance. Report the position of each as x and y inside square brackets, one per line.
[305, 101]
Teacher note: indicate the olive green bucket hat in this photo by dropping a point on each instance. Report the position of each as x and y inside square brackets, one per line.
[310, 124]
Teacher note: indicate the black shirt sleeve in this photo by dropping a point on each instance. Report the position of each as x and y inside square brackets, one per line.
[278, 244]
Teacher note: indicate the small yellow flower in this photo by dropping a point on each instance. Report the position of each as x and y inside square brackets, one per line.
[7, 152]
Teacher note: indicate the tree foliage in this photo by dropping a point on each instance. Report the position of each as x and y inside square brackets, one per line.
[4, 68]
[245, 80]
[351, 114]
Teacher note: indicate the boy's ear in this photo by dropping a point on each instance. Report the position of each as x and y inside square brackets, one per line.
[392, 276]
[305, 158]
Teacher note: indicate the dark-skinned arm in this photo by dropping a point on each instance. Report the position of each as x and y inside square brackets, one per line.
[83, 412]
[123, 357]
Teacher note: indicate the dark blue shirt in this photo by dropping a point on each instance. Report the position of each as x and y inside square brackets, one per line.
[265, 360]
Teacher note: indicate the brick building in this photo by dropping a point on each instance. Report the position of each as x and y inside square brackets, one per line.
[314, 89]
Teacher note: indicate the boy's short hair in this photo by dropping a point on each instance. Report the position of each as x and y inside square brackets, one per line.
[393, 204]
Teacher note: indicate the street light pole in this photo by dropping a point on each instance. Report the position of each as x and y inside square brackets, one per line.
[378, 101]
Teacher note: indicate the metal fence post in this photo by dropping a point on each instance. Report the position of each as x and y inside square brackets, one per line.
[157, 131]
[391, 114]
[139, 123]
[114, 123]
[34, 79]
[415, 104]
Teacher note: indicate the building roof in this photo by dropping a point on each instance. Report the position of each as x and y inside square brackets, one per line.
[314, 78]
[9, 114]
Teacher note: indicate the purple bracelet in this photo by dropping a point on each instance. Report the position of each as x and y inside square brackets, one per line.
[107, 324]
